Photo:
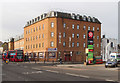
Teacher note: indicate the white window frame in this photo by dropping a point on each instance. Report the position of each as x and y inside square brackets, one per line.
[77, 35]
[78, 26]
[73, 35]
[42, 35]
[73, 44]
[88, 27]
[64, 25]
[97, 37]
[84, 45]
[52, 44]
[97, 28]
[93, 28]
[84, 36]
[52, 34]
[78, 44]
[52, 24]
[64, 35]
[84, 27]
[73, 26]
[64, 44]
[97, 45]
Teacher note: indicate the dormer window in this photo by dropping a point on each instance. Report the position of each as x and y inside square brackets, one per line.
[32, 20]
[89, 19]
[78, 17]
[84, 18]
[73, 16]
[93, 19]
[35, 19]
[52, 13]
[38, 18]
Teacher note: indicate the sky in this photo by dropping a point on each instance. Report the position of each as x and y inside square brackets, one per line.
[15, 14]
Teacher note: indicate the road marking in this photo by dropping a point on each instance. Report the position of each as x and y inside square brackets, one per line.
[25, 73]
[36, 68]
[32, 72]
[111, 68]
[52, 71]
[84, 76]
[109, 80]
[77, 75]
[37, 72]
[71, 74]
[48, 70]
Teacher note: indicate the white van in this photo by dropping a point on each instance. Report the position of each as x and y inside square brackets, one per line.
[115, 56]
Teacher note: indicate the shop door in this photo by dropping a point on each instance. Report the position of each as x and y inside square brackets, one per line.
[67, 57]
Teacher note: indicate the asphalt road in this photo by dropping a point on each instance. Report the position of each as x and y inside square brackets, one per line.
[41, 72]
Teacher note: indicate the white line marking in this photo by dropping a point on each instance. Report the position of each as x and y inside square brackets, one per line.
[71, 74]
[84, 76]
[36, 68]
[32, 72]
[52, 71]
[109, 80]
[48, 70]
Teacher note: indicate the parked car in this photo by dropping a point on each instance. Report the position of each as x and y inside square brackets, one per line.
[111, 63]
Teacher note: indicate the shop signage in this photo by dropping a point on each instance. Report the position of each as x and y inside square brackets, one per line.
[52, 49]
[90, 45]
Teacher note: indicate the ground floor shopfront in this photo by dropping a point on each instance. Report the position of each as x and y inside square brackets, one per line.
[67, 56]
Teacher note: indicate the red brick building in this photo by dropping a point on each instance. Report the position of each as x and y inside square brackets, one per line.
[56, 34]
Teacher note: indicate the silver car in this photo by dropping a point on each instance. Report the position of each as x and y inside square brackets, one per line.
[111, 63]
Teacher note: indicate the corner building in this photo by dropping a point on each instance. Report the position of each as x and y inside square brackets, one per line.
[56, 34]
